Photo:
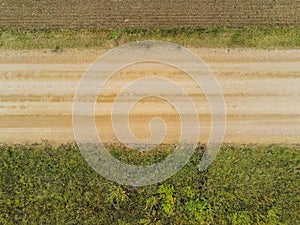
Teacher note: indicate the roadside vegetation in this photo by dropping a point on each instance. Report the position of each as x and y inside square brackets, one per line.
[226, 37]
[246, 184]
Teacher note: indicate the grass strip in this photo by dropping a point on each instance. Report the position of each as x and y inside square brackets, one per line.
[224, 37]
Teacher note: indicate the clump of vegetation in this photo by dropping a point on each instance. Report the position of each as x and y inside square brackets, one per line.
[246, 184]
[222, 37]
[57, 49]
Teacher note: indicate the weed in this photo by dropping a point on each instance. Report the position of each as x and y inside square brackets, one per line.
[245, 184]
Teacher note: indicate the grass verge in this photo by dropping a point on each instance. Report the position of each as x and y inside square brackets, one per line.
[247, 37]
[246, 184]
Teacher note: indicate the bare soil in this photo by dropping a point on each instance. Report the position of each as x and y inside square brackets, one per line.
[261, 90]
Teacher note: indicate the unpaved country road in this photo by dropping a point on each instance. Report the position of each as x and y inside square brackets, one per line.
[261, 91]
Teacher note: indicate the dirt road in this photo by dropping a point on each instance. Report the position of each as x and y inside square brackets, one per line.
[261, 91]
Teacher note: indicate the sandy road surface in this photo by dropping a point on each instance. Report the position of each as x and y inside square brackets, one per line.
[261, 90]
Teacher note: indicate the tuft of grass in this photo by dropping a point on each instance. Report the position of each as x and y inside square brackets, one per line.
[223, 37]
[246, 184]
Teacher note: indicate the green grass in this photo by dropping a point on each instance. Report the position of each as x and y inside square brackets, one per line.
[246, 184]
[247, 37]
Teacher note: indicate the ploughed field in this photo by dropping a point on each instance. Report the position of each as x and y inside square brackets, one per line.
[79, 14]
